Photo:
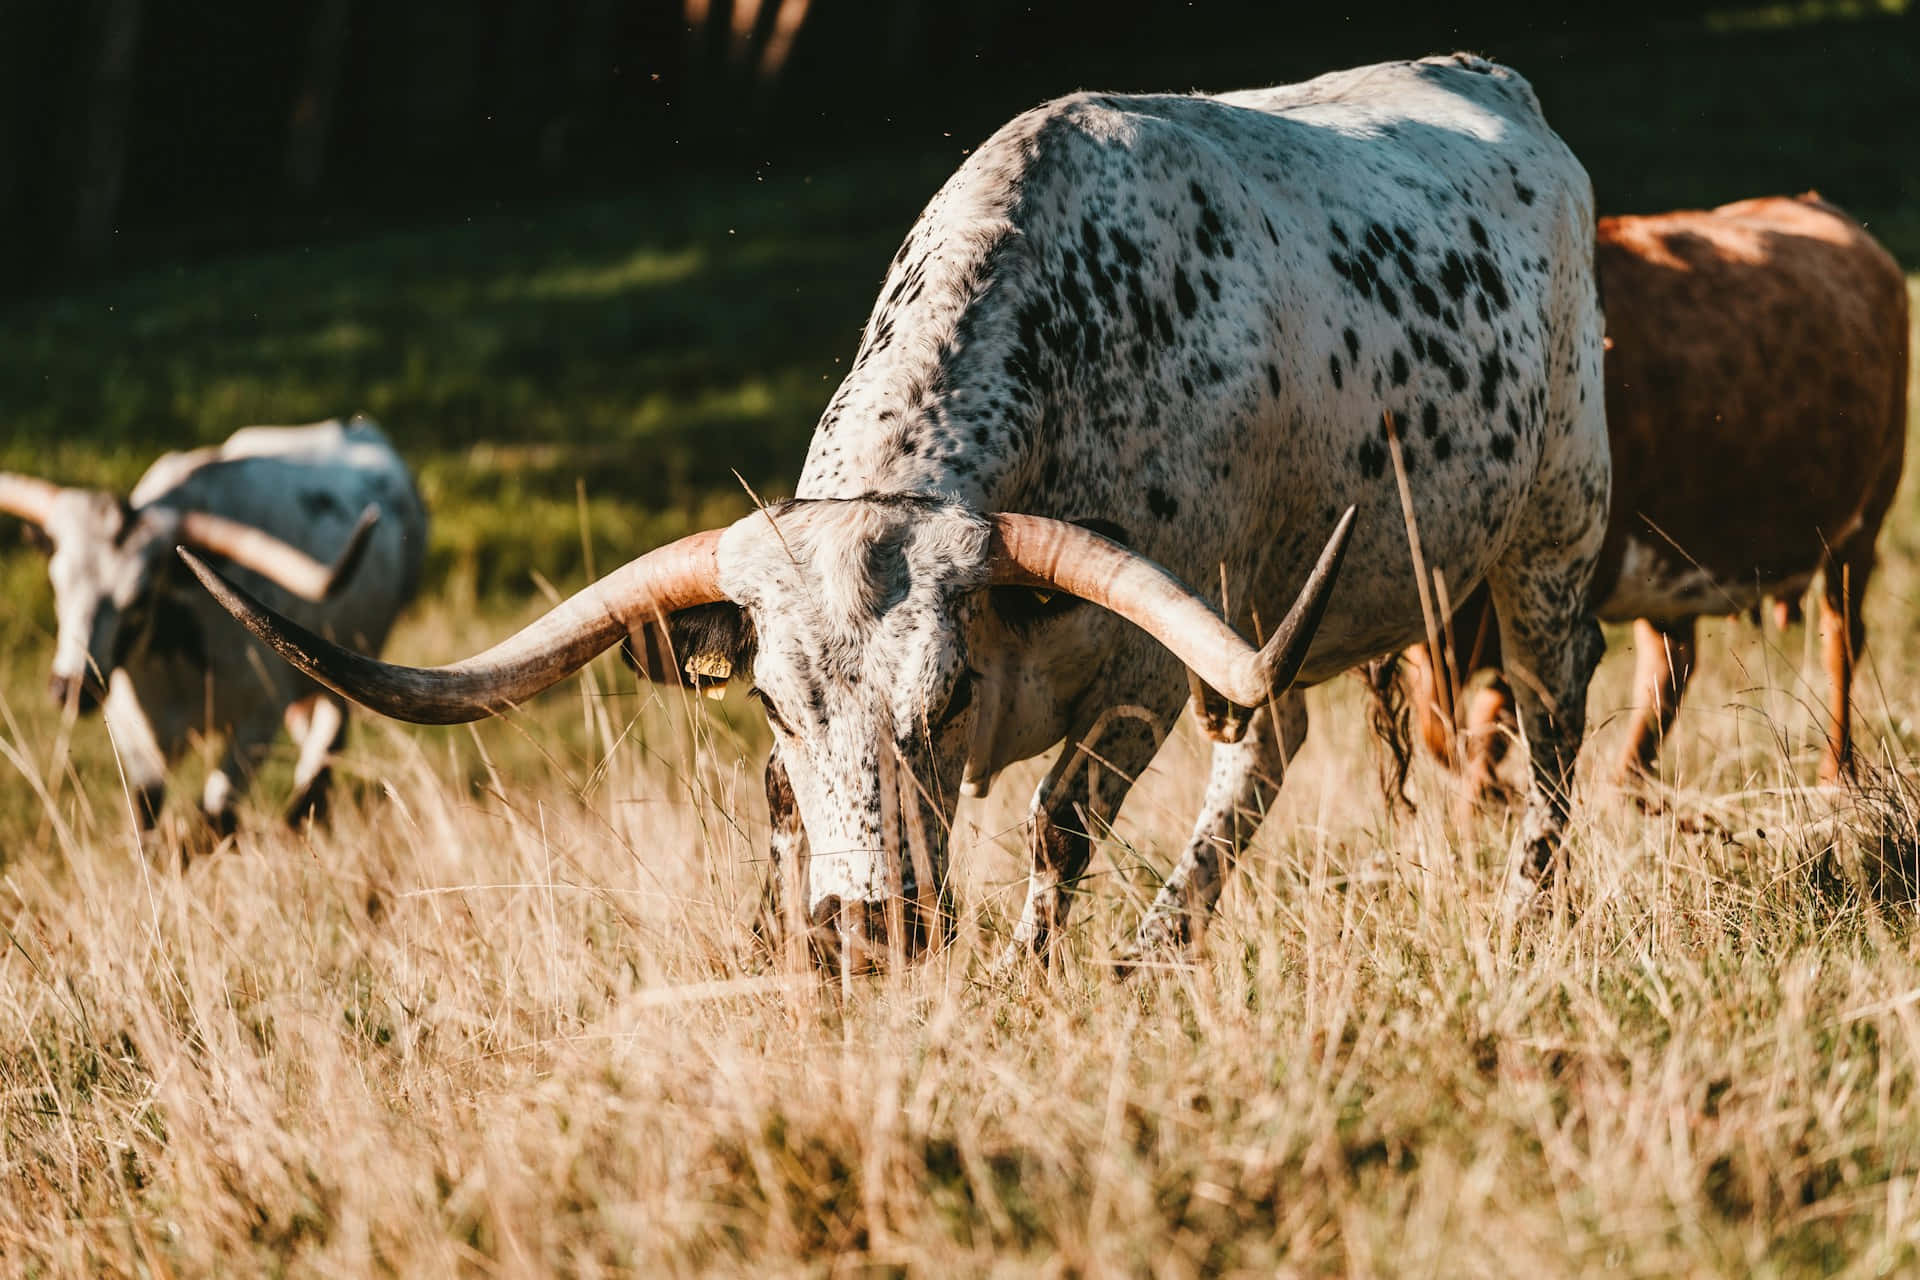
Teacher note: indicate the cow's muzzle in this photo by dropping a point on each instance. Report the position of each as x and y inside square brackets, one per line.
[863, 936]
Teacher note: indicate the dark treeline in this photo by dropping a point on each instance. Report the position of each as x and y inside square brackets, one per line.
[132, 129]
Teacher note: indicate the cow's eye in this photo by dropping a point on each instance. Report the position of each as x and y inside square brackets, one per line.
[959, 700]
[766, 704]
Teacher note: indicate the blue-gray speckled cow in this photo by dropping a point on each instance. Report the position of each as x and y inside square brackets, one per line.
[138, 639]
[1178, 322]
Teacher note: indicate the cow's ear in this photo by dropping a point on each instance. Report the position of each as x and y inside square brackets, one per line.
[36, 537]
[1022, 607]
[700, 648]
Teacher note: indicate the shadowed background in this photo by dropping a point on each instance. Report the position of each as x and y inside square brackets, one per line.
[633, 243]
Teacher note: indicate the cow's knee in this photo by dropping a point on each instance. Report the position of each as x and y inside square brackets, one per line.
[149, 798]
[312, 802]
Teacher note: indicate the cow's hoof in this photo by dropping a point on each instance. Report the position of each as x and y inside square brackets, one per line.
[1164, 940]
[1537, 888]
[1017, 958]
[1526, 893]
[158, 845]
[313, 804]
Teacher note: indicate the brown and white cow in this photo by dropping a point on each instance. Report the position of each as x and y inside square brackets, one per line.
[1756, 382]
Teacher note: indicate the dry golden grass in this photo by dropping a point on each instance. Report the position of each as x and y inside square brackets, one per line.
[507, 1015]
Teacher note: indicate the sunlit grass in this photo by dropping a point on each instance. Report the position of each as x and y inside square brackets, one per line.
[508, 1013]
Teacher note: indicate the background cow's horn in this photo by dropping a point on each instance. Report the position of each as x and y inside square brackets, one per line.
[676, 576]
[1036, 552]
[29, 498]
[278, 562]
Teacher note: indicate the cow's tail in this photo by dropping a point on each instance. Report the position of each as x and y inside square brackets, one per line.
[1391, 719]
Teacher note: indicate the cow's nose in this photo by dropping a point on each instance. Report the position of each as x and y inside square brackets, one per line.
[854, 933]
[860, 936]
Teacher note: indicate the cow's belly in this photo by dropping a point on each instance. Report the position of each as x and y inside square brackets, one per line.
[1375, 608]
[1655, 582]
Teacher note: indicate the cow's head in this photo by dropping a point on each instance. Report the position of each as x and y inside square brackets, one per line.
[858, 623]
[109, 563]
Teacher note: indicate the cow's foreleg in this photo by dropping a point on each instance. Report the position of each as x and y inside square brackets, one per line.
[142, 759]
[1244, 778]
[318, 724]
[782, 919]
[1551, 646]
[247, 744]
[1083, 790]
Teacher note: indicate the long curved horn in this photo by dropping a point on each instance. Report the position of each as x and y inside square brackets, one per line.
[279, 562]
[27, 497]
[676, 576]
[1033, 551]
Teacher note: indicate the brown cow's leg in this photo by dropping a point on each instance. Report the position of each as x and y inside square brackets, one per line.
[1490, 731]
[1488, 724]
[1842, 636]
[1663, 664]
[1430, 713]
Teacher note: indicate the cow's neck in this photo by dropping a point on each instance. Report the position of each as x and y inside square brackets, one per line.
[956, 390]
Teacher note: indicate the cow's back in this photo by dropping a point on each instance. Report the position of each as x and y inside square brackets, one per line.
[307, 486]
[1756, 399]
[1186, 316]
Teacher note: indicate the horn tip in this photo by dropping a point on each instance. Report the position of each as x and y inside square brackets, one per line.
[216, 585]
[348, 561]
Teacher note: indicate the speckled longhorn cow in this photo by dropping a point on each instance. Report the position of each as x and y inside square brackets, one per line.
[1177, 322]
[134, 632]
[1757, 402]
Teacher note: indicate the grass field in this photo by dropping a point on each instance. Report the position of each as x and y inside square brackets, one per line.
[507, 1015]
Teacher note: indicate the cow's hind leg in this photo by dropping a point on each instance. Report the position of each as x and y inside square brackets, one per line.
[1663, 664]
[1843, 634]
[1244, 778]
[1485, 711]
[318, 724]
[1550, 646]
[1432, 703]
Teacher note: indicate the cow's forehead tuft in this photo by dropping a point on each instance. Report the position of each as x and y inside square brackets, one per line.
[837, 567]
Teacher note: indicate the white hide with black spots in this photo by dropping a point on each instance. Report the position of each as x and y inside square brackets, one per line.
[1182, 319]
[173, 662]
[1181, 322]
